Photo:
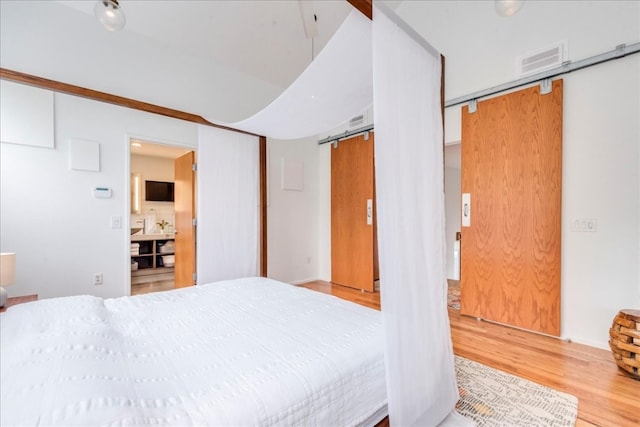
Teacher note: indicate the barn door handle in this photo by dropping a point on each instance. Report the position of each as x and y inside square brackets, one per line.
[466, 209]
[369, 211]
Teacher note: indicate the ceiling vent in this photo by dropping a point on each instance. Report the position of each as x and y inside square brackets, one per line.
[541, 60]
[356, 121]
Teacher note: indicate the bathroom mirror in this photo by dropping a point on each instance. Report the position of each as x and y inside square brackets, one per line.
[136, 196]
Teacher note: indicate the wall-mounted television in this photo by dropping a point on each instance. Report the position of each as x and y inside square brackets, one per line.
[158, 191]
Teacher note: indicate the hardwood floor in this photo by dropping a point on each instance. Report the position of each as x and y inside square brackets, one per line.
[151, 286]
[369, 299]
[605, 396]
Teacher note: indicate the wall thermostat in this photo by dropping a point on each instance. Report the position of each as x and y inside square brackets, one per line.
[102, 192]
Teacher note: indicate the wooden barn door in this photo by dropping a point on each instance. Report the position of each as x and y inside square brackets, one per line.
[352, 213]
[512, 169]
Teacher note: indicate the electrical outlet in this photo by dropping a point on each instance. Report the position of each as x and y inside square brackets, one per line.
[97, 279]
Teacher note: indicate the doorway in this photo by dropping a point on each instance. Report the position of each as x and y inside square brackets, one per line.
[162, 241]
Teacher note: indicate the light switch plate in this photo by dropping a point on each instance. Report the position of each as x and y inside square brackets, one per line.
[116, 222]
[589, 225]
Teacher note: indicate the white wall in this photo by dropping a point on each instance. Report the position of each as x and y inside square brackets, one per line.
[601, 179]
[61, 234]
[601, 135]
[293, 215]
[152, 168]
[324, 219]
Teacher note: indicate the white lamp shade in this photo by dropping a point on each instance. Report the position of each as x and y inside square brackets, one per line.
[7, 268]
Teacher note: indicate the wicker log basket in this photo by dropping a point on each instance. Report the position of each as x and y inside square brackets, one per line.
[624, 341]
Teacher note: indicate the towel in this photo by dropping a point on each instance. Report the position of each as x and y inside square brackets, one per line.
[168, 247]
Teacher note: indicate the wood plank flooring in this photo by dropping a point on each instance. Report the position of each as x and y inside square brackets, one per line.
[151, 286]
[606, 397]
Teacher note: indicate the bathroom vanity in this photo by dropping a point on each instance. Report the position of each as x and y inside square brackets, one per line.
[154, 256]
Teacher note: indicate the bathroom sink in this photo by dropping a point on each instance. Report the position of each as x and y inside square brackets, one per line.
[135, 230]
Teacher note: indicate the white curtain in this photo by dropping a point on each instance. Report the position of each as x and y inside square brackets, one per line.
[227, 203]
[421, 382]
[335, 87]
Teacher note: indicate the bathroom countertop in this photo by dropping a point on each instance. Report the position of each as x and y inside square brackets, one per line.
[154, 236]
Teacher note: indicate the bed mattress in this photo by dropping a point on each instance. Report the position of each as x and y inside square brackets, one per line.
[251, 351]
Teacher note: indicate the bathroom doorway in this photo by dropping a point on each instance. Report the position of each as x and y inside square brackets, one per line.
[162, 238]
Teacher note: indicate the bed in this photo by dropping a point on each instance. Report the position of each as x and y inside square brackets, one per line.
[252, 351]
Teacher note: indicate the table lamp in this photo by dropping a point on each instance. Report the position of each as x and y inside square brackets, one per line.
[7, 274]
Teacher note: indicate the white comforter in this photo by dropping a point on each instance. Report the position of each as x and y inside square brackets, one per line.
[246, 352]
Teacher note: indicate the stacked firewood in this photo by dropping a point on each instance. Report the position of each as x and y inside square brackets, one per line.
[624, 341]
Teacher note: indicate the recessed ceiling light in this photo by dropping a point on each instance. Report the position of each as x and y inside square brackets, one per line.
[136, 144]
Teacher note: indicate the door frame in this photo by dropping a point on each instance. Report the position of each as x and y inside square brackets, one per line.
[126, 222]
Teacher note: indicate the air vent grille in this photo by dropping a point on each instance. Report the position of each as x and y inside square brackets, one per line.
[356, 121]
[541, 60]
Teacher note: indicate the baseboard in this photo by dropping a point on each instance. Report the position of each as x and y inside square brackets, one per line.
[300, 282]
[590, 343]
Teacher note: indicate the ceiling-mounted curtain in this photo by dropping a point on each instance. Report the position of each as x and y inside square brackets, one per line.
[335, 87]
[420, 373]
[228, 201]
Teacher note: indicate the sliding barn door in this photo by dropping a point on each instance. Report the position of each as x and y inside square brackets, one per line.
[352, 213]
[512, 169]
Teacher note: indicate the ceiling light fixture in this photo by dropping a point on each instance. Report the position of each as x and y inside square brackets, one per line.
[110, 14]
[508, 7]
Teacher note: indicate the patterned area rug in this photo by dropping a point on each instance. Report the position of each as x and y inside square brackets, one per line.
[493, 398]
[453, 294]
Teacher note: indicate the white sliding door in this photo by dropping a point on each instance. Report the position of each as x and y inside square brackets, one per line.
[228, 198]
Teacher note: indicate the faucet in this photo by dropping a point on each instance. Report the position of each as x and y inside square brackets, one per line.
[143, 221]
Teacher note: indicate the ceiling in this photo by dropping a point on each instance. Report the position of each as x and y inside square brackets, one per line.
[265, 39]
